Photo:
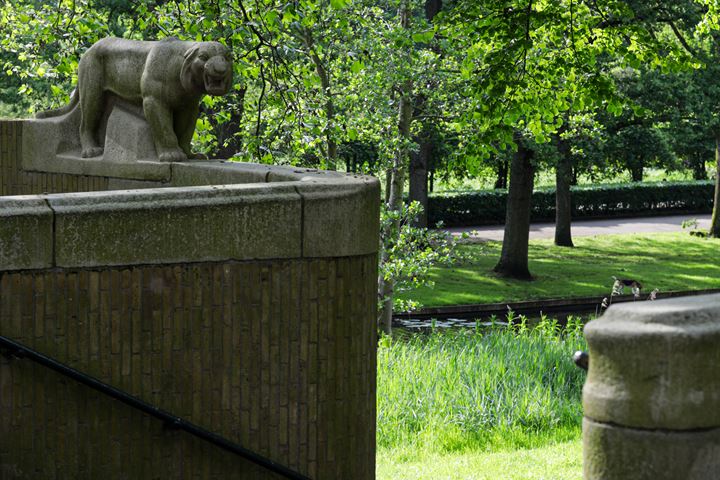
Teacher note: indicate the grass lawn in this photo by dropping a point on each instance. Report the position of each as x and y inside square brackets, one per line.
[666, 261]
[561, 461]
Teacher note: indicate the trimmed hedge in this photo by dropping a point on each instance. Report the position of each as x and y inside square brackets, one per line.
[487, 207]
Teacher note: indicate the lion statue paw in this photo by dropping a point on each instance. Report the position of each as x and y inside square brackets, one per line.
[172, 156]
[92, 152]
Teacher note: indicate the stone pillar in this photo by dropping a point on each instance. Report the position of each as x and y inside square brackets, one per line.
[652, 396]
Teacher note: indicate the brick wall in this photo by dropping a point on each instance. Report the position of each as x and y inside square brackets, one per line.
[237, 348]
[15, 181]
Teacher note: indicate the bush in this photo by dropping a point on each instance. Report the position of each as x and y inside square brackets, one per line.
[487, 207]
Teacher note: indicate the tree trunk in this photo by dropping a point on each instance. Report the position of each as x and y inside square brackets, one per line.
[698, 167]
[386, 287]
[514, 256]
[502, 172]
[715, 223]
[636, 172]
[228, 143]
[563, 201]
[432, 8]
[331, 152]
[419, 178]
[419, 162]
[390, 235]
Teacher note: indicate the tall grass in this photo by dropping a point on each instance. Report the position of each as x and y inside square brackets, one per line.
[491, 390]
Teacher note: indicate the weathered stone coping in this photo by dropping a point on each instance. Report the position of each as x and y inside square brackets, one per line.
[655, 365]
[281, 213]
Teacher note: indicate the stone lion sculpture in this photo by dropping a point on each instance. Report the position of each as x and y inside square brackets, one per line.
[167, 78]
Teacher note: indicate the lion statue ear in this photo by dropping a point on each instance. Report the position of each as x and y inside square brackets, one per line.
[186, 74]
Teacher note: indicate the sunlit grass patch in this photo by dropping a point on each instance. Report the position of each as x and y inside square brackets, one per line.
[666, 261]
[562, 461]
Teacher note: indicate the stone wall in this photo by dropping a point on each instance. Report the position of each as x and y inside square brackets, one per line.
[246, 309]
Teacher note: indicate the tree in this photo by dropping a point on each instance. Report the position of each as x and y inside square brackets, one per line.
[521, 72]
[414, 252]
[578, 147]
[685, 103]
[526, 63]
[514, 255]
[563, 178]
[397, 175]
[427, 138]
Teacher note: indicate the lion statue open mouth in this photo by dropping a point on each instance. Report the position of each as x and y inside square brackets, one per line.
[168, 78]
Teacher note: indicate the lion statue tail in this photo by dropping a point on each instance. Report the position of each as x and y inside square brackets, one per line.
[74, 99]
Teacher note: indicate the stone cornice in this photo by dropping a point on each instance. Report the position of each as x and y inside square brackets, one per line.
[194, 212]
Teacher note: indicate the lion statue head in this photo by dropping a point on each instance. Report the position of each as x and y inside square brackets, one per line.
[207, 68]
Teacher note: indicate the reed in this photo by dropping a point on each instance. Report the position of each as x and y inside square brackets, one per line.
[497, 389]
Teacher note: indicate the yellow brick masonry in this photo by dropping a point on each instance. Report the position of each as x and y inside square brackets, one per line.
[278, 356]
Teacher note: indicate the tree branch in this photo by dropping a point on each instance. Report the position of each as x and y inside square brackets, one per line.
[259, 112]
[681, 38]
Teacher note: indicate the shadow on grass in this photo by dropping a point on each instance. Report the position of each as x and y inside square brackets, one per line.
[674, 261]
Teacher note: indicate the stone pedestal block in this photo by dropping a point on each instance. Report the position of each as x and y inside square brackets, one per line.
[127, 136]
[652, 396]
[613, 452]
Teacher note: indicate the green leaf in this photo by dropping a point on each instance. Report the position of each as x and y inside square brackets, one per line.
[338, 4]
[614, 107]
[288, 17]
[423, 37]
[357, 66]
[272, 17]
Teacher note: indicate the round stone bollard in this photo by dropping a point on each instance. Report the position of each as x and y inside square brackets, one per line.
[652, 396]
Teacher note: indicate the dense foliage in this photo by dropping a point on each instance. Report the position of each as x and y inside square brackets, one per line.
[486, 207]
[320, 80]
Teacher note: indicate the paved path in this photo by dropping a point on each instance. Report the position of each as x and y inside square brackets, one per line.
[585, 228]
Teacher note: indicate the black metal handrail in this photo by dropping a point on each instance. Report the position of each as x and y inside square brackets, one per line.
[21, 351]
